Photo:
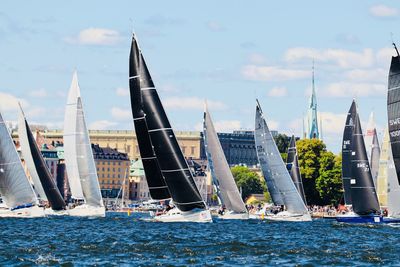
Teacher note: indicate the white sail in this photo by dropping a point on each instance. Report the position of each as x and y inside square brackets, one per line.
[393, 187]
[15, 188]
[27, 155]
[70, 140]
[273, 167]
[86, 164]
[220, 171]
[369, 135]
[382, 180]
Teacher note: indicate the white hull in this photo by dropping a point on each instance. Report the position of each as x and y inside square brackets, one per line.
[230, 215]
[285, 216]
[175, 215]
[51, 212]
[31, 212]
[87, 211]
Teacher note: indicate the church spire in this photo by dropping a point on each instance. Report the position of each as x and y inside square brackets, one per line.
[312, 111]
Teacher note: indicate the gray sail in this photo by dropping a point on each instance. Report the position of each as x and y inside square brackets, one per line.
[393, 188]
[274, 169]
[292, 165]
[15, 188]
[375, 155]
[220, 171]
[86, 164]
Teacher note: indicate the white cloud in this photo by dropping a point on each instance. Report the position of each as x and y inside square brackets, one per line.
[348, 89]
[122, 91]
[256, 58]
[193, 103]
[332, 123]
[278, 92]
[102, 125]
[35, 112]
[121, 114]
[9, 102]
[271, 73]
[227, 126]
[215, 26]
[362, 75]
[342, 58]
[96, 36]
[383, 11]
[39, 93]
[384, 55]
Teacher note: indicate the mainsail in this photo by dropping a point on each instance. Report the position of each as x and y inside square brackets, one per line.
[173, 165]
[37, 166]
[393, 188]
[375, 155]
[15, 188]
[220, 171]
[346, 152]
[382, 180]
[292, 164]
[363, 194]
[393, 107]
[155, 180]
[274, 169]
[70, 142]
[80, 164]
[369, 135]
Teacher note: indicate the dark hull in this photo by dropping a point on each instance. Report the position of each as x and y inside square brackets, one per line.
[370, 219]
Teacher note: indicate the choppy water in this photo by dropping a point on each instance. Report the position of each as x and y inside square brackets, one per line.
[122, 240]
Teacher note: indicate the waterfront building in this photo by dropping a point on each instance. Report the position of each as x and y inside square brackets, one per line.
[113, 173]
[138, 188]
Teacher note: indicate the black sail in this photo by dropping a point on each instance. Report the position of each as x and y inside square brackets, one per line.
[53, 195]
[173, 165]
[393, 107]
[346, 152]
[157, 187]
[363, 193]
[292, 164]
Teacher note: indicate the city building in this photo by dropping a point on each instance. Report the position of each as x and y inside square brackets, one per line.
[138, 188]
[113, 173]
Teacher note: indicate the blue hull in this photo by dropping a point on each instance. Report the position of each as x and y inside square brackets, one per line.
[371, 219]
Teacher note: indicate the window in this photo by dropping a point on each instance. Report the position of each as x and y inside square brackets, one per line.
[192, 150]
[137, 149]
[128, 148]
[183, 149]
[102, 169]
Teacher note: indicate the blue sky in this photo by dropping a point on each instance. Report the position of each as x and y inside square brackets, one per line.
[227, 52]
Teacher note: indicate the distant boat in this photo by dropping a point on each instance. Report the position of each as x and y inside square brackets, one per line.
[189, 206]
[42, 179]
[79, 161]
[15, 189]
[223, 180]
[374, 157]
[276, 174]
[382, 180]
[292, 164]
[365, 203]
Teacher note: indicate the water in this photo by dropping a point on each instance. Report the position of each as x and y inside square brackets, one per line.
[122, 240]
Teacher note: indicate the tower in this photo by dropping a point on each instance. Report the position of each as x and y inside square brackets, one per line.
[313, 131]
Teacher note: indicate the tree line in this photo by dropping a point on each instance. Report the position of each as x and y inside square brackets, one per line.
[321, 171]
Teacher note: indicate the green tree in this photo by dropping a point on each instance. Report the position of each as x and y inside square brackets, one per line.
[320, 171]
[329, 182]
[282, 142]
[248, 181]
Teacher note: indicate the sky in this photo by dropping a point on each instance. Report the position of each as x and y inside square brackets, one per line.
[228, 52]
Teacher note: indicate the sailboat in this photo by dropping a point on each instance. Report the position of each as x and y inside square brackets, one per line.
[15, 189]
[382, 180]
[276, 174]
[227, 190]
[365, 203]
[292, 164]
[79, 161]
[373, 149]
[42, 180]
[165, 164]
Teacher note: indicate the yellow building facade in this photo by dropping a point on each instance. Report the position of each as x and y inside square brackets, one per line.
[125, 141]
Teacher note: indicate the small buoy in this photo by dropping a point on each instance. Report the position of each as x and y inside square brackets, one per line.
[129, 212]
[262, 216]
